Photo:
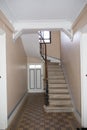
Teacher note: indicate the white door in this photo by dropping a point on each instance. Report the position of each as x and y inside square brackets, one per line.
[83, 51]
[35, 81]
[3, 91]
[38, 79]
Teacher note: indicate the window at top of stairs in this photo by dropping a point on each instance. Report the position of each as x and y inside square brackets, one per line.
[46, 35]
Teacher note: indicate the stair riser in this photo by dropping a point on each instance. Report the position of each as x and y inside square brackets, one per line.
[54, 65]
[58, 91]
[57, 81]
[59, 97]
[54, 72]
[62, 96]
[56, 76]
[60, 103]
[54, 69]
[57, 85]
[58, 109]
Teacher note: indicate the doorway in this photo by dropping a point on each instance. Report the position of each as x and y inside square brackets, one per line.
[35, 78]
[83, 55]
[3, 88]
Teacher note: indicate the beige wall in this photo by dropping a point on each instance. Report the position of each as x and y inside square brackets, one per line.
[53, 49]
[16, 61]
[16, 72]
[70, 54]
[33, 60]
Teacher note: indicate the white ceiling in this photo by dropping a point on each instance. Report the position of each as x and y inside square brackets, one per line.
[28, 16]
[22, 11]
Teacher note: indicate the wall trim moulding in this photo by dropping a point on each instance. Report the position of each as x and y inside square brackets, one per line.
[69, 33]
[17, 34]
[22, 26]
[6, 11]
[78, 20]
[42, 24]
[4, 19]
[17, 108]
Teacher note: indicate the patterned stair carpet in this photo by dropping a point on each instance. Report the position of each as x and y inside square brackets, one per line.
[33, 117]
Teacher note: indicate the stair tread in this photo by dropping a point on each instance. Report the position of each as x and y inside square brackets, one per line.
[56, 69]
[59, 107]
[55, 81]
[56, 77]
[60, 103]
[57, 87]
[58, 84]
[60, 100]
[55, 74]
[58, 92]
[59, 96]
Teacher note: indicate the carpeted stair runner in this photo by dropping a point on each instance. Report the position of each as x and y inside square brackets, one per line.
[59, 97]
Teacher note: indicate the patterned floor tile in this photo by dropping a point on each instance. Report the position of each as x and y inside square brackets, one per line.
[33, 117]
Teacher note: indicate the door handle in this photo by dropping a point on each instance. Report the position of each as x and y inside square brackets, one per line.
[86, 75]
[0, 76]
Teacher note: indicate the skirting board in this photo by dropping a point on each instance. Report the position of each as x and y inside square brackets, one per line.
[77, 115]
[14, 113]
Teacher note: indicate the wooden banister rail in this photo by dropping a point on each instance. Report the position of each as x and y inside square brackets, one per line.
[43, 52]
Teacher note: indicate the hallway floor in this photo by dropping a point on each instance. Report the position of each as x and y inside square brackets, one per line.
[33, 117]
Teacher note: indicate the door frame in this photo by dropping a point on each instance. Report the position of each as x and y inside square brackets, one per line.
[3, 91]
[83, 56]
[42, 76]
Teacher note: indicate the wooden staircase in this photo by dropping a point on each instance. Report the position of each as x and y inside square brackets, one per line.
[59, 97]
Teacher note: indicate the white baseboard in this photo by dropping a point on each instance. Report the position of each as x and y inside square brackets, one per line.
[68, 85]
[19, 105]
[77, 115]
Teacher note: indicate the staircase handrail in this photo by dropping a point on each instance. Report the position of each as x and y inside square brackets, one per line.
[46, 67]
